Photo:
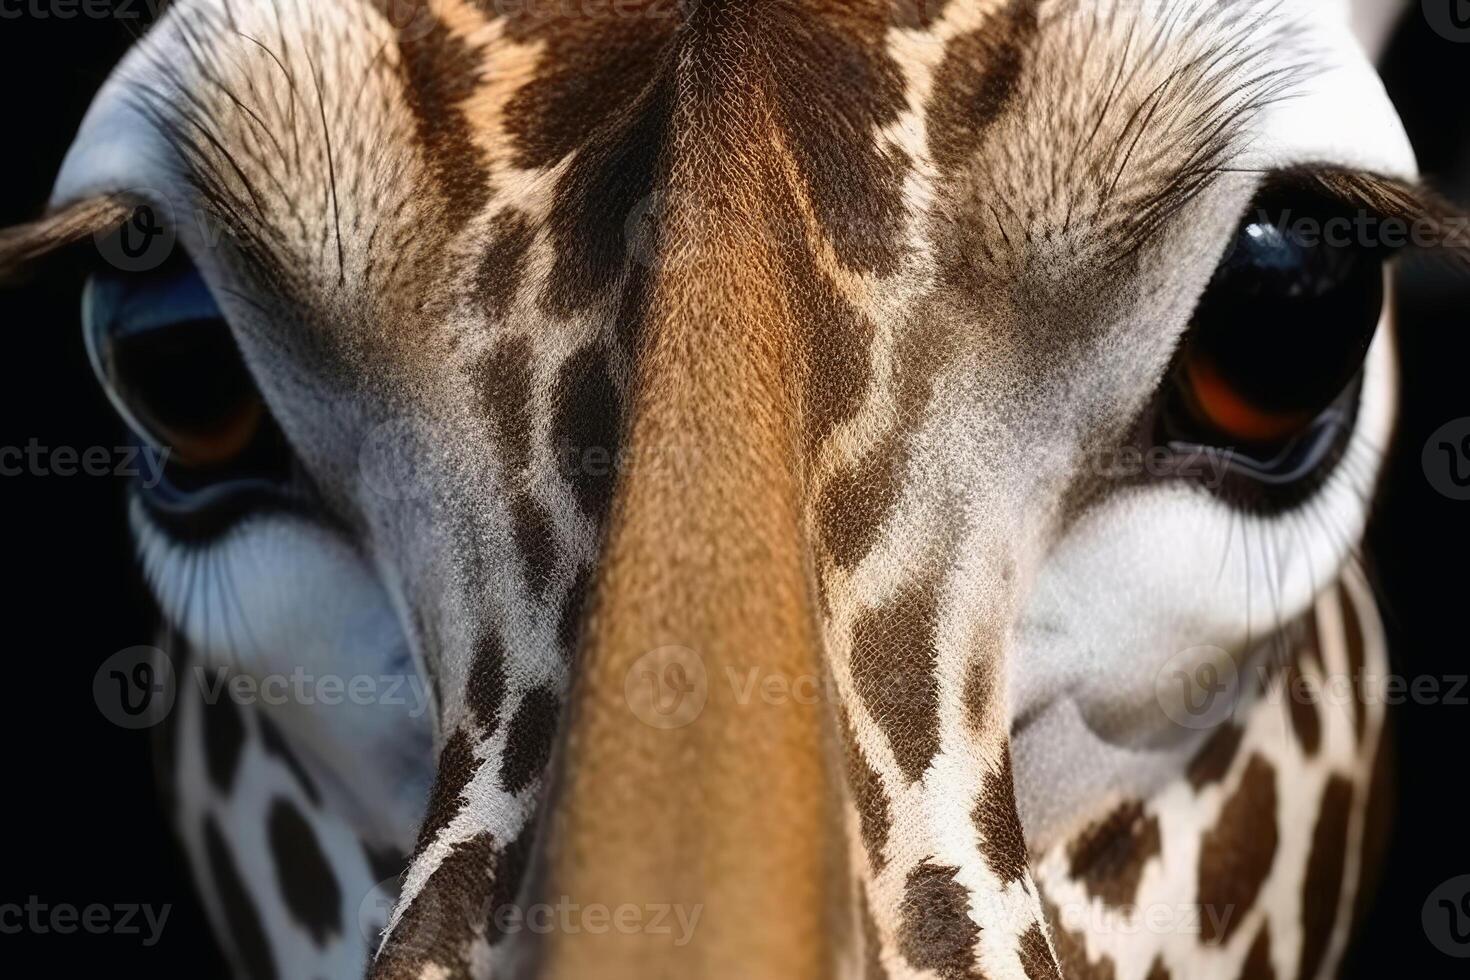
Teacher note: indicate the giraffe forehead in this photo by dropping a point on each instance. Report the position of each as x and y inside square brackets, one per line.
[501, 164]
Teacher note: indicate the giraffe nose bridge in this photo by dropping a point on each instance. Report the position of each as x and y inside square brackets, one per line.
[678, 784]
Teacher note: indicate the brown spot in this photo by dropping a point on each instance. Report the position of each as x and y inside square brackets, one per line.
[528, 741]
[485, 686]
[893, 663]
[977, 79]
[868, 797]
[535, 540]
[853, 506]
[935, 929]
[1214, 759]
[503, 264]
[1036, 956]
[440, 72]
[224, 738]
[1110, 855]
[853, 180]
[1353, 639]
[503, 381]
[608, 189]
[1237, 853]
[303, 874]
[1258, 960]
[598, 55]
[586, 429]
[1002, 840]
[444, 918]
[1301, 698]
[837, 345]
[1323, 886]
[1071, 951]
[461, 901]
[457, 766]
[1158, 971]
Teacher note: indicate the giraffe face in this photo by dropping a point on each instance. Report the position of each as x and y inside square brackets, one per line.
[872, 345]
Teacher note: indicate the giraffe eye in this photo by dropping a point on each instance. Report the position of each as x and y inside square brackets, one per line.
[170, 366]
[1270, 364]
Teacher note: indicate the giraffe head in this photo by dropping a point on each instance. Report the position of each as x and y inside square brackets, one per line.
[796, 443]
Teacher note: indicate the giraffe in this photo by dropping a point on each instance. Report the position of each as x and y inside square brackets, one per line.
[722, 413]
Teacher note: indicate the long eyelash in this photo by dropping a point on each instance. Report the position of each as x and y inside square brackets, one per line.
[23, 245]
[1311, 520]
[1390, 199]
[234, 171]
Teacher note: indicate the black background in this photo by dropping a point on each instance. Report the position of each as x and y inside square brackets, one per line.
[80, 823]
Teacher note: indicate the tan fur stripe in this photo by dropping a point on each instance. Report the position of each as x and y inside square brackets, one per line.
[650, 815]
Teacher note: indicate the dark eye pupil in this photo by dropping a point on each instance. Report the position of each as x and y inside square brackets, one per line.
[1282, 330]
[169, 361]
[1289, 316]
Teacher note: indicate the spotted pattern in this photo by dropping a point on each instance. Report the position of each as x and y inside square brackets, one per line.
[307, 882]
[893, 663]
[1236, 856]
[224, 739]
[1324, 882]
[540, 134]
[1258, 960]
[1109, 857]
[937, 932]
